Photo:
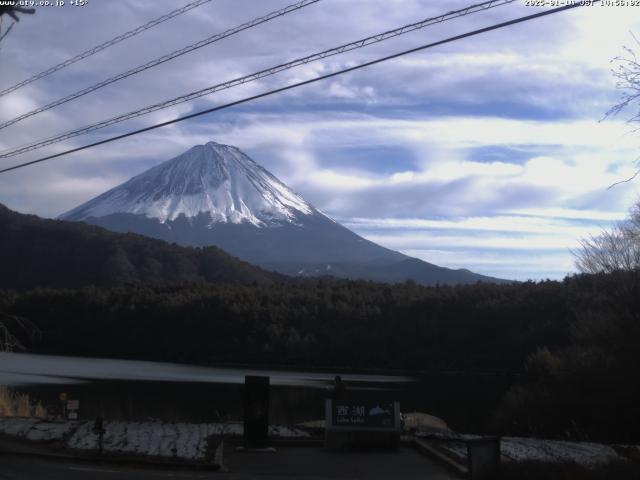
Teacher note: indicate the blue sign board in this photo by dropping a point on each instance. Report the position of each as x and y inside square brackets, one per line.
[378, 415]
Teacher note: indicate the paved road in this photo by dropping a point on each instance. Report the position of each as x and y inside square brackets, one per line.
[27, 468]
[291, 463]
[285, 464]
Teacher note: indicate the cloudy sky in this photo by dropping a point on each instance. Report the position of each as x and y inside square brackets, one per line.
[486, 153]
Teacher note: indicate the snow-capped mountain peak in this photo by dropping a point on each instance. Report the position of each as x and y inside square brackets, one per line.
[212, 179]
[234, 204]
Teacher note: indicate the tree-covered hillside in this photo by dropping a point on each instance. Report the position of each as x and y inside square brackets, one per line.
[569, 349]
[49, 253]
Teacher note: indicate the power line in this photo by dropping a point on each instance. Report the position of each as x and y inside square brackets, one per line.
[2, 35]
[165, 58]
[259, 75]
[299, 84]
[107, 44]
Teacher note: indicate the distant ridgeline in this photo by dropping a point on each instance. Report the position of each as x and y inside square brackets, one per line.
[50, 253]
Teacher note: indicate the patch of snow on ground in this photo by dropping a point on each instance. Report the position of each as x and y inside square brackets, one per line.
[48, 431]
[517, 449]
[83, 438]
[176, 440]
[286, 432]
[35, 429]
[17, 426]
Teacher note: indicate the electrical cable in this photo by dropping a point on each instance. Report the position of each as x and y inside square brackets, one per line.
[102, 46]
[299, 84]
[257, 75]
[165, 58]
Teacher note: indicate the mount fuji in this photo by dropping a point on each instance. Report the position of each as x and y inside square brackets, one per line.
[215, 194]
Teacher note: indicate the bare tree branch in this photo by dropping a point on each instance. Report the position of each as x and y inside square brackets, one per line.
[614, 249]
[632, 177]
[12, 11]
[11, 323]
[7, 31]
[627, 74]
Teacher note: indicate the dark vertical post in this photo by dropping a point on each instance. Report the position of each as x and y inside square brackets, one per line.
[256, 411]
[98, 429]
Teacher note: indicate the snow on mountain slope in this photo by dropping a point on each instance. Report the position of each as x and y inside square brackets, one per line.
[214, 179]
[215, 195]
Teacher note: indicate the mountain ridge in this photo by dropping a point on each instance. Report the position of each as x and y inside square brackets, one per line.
[214, 194]
[37, 252]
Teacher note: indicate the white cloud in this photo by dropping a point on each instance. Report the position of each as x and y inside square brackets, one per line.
[517, 265]
[413, 241]
[572, 213]
[498, 223]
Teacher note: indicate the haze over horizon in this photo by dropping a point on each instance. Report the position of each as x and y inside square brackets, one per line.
[485, 154]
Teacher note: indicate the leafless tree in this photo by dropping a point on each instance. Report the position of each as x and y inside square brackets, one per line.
[10, 323]
[626, 71]
[614, 249]
[619, 247]
[627, 75]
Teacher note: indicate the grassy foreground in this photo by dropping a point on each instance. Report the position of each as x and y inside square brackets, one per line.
[13, 404]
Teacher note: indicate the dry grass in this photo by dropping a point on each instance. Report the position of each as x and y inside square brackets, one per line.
[424, 422]
[13, 404]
